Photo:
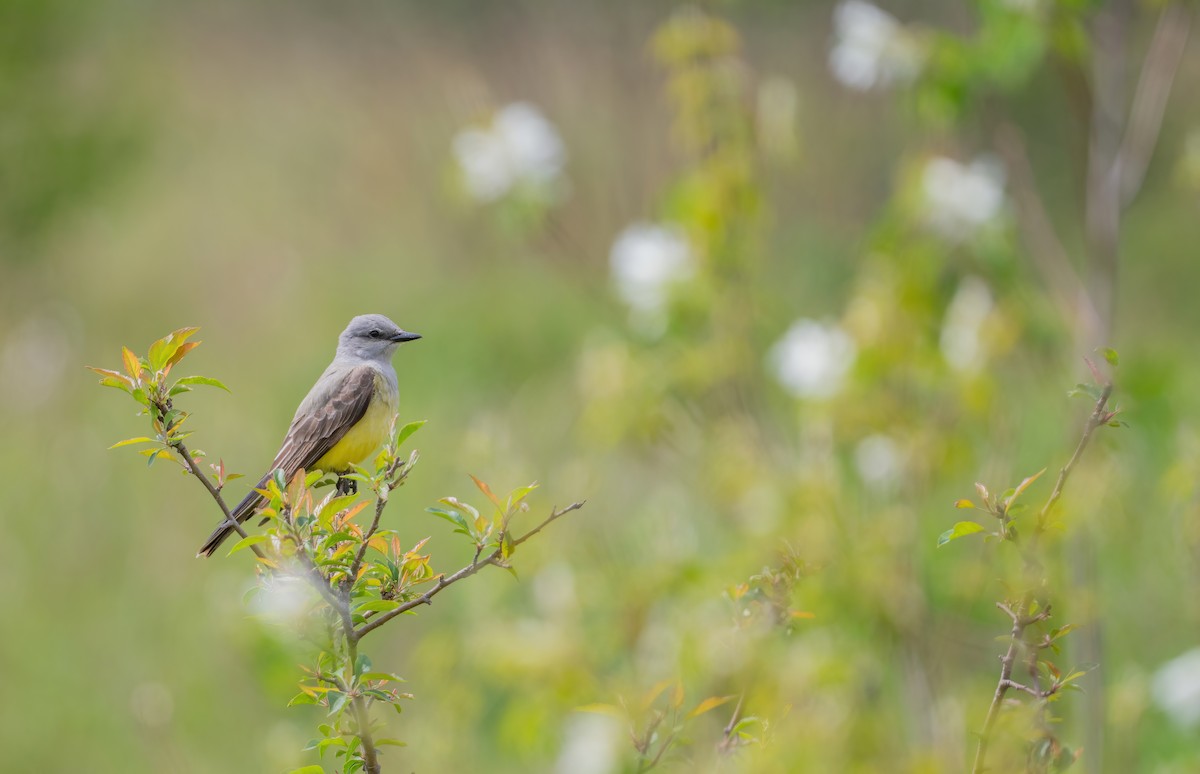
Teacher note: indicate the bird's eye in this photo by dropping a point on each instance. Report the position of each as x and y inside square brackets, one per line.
[375, 333]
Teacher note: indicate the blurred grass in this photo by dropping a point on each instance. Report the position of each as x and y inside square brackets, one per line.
[291, 170]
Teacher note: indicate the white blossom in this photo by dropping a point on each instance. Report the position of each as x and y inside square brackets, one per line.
[961, 340]
[877, 458]
[812, 359]
[646, 260]
[959, 199]
[871, 49]
[591, 744]
[1176, 688]
[519, 148]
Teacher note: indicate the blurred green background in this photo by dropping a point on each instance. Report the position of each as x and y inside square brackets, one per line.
[267, 171]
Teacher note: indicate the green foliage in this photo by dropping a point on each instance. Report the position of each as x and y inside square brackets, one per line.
[362, 573]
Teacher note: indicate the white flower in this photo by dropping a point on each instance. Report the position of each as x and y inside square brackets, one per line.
[812, 359]
[519, 148]
[1176, 688]
[961, 198]
[878, 460]
[646, 261]
[284, 599]
[961, 342]
[591, 745]
[871, 49]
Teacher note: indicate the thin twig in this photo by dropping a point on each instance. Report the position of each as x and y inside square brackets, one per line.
[495, 558]
[1099, 416]
[216, 494]
[1019, 614]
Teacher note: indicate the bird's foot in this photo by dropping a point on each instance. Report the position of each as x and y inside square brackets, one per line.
[346, 486]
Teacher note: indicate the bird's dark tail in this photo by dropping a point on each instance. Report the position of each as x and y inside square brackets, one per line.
[243, 511]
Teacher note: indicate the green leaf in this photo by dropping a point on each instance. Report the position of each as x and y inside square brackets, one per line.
[205, 380]
[1111, 356]
[959, 530]
[963, 504]
[280, 480]
[337, 700]
[520, 493]
[377, 606]
[129, 441]
[454, 517]
[388, 676]
[362, 664]
[163, 350]
[246, 542]
[407, 431]
[302, 698]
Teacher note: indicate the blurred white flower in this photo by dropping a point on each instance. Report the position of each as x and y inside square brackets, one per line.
[646, 260]
[871, 49]
[961, 198]
[812, 359]
[878, 460]
[1176, 688]
[284, 599]
[961, 340]
[519, 148]
[591, 744]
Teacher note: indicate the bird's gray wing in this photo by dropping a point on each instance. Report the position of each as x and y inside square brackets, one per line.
[325, 416]
[318, 427]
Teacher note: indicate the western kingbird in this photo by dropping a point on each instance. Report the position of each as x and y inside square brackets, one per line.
[345, 416]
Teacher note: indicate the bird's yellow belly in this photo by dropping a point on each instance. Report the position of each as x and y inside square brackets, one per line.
[367, 435]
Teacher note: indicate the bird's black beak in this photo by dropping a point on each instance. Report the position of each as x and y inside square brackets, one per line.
[405, 336]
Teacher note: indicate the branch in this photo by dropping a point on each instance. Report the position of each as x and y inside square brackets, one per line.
[1099, 416]
[495, 558]
[1019, 616]
[381, 501]
[216, 494]
[361, 717]
[1005, 681]
[1151, 96]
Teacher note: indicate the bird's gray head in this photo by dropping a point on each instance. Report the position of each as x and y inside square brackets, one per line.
[372, 337]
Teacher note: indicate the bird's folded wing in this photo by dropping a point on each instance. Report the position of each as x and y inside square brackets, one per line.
[318, 428]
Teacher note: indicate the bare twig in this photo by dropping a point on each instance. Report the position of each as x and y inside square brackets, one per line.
[216, 494]
[495, 558]
[728, 742]
[1099, 416]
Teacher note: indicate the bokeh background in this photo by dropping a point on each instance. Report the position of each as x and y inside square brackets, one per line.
[755, 279]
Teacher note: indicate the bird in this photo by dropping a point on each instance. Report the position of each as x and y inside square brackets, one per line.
[346, 415]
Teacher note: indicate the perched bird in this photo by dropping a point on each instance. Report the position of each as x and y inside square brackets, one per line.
[345, 416]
